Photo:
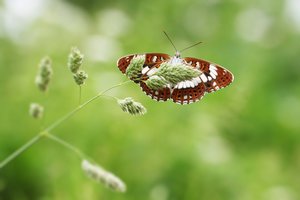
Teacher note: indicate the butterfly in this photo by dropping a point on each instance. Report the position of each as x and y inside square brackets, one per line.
[212, 76]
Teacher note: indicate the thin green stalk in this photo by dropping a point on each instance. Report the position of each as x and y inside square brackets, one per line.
[54, 125]
[20, 150]
[65, 144]
[79, 95]
[70, 114]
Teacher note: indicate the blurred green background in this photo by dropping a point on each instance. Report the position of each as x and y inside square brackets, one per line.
[240, 143]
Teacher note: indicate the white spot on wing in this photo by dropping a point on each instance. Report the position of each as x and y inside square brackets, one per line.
[195, 82]
[212, 67]
[213, 72]
[152, 71]
[192, 84]
[203, 77]
[154, 58]
[187, 84]
[145, 69]
[198, 79]
[213, 75]
[180, 85]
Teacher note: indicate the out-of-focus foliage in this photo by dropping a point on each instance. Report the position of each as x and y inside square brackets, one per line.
[242, 142]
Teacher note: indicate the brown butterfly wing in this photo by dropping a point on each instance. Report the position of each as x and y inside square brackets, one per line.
[213, 76]
[158, 95]
[188, 95]
[150, 60]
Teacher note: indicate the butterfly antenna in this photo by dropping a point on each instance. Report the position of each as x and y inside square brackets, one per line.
[190, 46]
[170, 41]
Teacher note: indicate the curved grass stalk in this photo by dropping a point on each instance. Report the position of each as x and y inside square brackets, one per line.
[46, 131]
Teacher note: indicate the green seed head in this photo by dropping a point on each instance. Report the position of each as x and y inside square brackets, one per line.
[156, 82]
[132, 107]
[177, 73]
[80, 77]
[135, 67]
[44, 75]
[75, 60]
[36, 110]
[102, 176]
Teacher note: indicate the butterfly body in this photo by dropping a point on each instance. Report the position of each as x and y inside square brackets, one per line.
[212, 77]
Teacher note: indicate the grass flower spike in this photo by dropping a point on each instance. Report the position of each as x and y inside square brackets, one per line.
[156, 82]
[44, 75]
[135, 66]
[177, 73]
[132, 107]
[100, 175]
[75, 60]
[80, 77]
[36, 110]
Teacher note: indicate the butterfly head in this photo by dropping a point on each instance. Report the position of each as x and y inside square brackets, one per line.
[177, 54]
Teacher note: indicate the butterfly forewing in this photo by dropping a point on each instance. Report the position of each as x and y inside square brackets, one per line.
[213, 76]
[150, 60]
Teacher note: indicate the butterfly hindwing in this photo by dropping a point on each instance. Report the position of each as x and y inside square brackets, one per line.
[188, 94]
[158, 95]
